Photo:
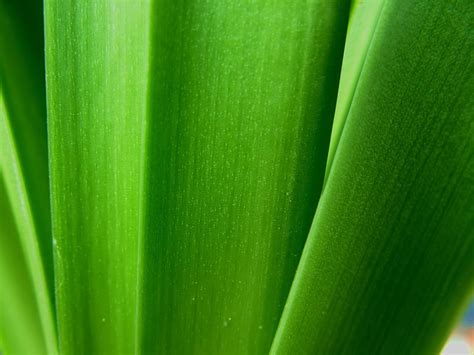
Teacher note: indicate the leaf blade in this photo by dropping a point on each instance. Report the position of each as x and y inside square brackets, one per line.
[20, 325]
[96, 56]
[394, 229]
[24, 147]
[241, 108]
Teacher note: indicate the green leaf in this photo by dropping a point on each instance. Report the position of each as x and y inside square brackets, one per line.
[361, 30]
[188, 144]
[23, 146]
[219, 201]
[241, 106]
[96, 55]
[388, 263]
[20, 326]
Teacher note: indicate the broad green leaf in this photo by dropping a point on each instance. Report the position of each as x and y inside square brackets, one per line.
[388, 262]
[20, 326]
[23, 145]
[96, 56]
[242, 95]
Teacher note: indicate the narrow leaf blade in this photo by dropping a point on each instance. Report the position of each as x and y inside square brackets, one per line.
[96, 55]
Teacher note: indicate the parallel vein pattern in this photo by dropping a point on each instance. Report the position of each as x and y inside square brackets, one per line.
[363, 23]
[241, 106]
[388, 263]
[97, 60]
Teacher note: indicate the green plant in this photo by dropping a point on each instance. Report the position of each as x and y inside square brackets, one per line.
[162, 201]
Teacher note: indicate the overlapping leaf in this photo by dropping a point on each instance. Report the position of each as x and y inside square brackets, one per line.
[188, 143]
[20, 326]
[388, 263]
[23, 146]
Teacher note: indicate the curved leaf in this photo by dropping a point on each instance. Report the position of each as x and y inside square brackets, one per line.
[23, 145]
[388, 263]
[20, 326]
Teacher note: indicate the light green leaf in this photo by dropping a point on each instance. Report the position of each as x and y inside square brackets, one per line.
[388, 263]
[96, 54]
[361, 30]
[20, 326]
